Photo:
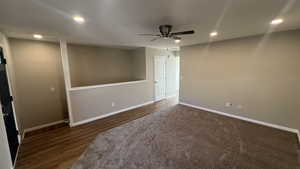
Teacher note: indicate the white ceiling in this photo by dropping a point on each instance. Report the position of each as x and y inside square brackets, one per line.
[117, 22]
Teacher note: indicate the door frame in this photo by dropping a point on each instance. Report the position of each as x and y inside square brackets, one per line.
[5, 140]
[9, 70]
[7, 55]
[165, 60]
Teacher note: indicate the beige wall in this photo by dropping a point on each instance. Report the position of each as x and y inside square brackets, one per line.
[38, 68]
[93, 65]
[138, 63]
[90, 103]
[259, 73]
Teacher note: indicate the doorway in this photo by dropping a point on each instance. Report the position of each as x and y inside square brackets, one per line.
[166, 76]
[7, 109]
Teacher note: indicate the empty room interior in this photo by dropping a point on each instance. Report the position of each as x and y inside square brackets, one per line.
[161, 84]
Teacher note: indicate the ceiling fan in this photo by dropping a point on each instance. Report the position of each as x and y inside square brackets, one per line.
[166, 33]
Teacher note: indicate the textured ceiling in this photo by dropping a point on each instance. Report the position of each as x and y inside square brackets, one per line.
[117, 22]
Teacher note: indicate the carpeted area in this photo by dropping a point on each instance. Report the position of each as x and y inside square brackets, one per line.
[185, 138]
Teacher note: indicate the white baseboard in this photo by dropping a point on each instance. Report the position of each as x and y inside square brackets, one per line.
[42, 126]
[108, 114]
[22, 137]
[245, 119]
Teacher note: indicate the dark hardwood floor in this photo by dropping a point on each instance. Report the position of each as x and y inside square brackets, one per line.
[59, 147]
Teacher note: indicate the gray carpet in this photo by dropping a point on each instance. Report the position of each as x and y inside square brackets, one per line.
[185, 138]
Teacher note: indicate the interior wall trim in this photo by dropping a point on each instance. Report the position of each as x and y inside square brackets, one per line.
[17, 155]
[106, 85]
[245, 119]
[109, 114]
[9, 72]
[67, 77]
[42, 126]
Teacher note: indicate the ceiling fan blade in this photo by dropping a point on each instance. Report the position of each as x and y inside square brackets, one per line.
[148, 35]
[183, 33]
[154, 39]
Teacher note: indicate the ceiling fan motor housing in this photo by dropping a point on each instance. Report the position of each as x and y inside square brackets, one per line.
[166, 33]
[165, 30]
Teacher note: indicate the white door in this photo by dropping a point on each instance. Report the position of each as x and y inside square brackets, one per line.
[160, 77]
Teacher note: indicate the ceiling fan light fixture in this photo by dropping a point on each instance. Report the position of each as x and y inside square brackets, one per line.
[166, 33]
[177, 40]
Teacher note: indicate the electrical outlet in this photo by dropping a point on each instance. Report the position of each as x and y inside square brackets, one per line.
[112, 104]
[228, 104]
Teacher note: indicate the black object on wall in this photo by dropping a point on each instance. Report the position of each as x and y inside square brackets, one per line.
[7, 109]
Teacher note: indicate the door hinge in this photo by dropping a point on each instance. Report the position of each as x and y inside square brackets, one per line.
[3, 61]
[17, 132]
[11, 98]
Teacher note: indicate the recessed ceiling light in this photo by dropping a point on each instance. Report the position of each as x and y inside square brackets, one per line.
[78, 19]
[212, 34]
[276, 21]
[37, 36]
